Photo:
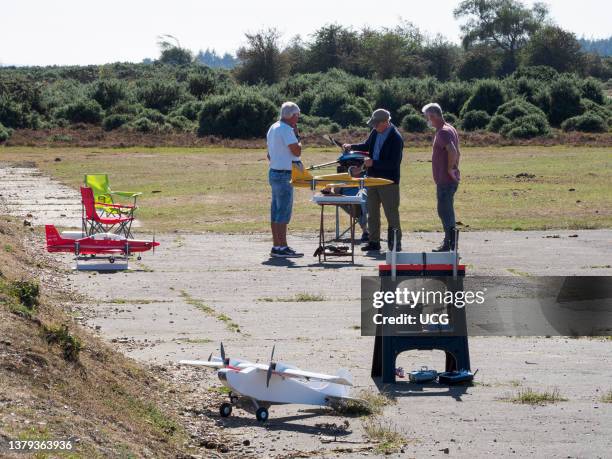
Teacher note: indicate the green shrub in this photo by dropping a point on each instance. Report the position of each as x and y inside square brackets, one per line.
[108, 92]
[16, 114]
[404, 111]
[414, 123]
[180, 122]
[349, 115]
[363, 105]
[152, 115]
[159, 94]
[201, 84]
[144, 125]
[488, 95]
[70, 344]
[526, 127]
[329, 101]
[189, 110]
[450, 118]
[497, 123]
[604, 112]
[587, 122]
[115, 121]
[305, 101]
[453, 96]
[564, 100]
[592, 89]
[238, 114]
[518, 107]
[81, 111]
[474, 120]
[26, 292]
[5, 133]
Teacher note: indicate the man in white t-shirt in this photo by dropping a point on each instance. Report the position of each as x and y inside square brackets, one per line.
[284, 149]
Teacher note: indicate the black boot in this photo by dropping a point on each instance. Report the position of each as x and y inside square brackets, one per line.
[452, 235]
[445, 246]
[371, 247]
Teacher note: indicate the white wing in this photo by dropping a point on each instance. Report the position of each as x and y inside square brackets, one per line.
[202, 363]
[296, 373]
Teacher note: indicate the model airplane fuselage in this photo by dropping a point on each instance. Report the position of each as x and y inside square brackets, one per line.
[255, 386]
[97, 244]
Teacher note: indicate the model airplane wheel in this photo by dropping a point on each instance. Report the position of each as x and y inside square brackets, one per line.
[111, 260]
[225, 410]
[262, 414]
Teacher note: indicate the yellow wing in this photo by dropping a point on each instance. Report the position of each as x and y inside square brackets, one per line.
[301, 178]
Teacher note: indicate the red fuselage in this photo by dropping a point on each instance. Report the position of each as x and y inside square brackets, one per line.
[95, 245]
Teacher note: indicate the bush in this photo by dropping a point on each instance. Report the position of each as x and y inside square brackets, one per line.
[526, 127]
[5, 133]
[81, 111]
[189, 110]
[108, 92]
[115, 121]
[180, 122]
[159, 94]
[518, 107]
[600, 110]
[564, 100]
[414, 123]
[450, 118]
[329, 101]
[305, 101]
[152, 115]
[144, 125]
[474, 120]
[593, 90]
[497, 123]
[349, 115]
[453, 96]
[488, 96]
[363, 106]
[239, 114]
[201, 84]
[406, 110]
[16, 115]
[588, 122]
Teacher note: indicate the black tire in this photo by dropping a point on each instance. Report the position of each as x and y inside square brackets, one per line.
[111, 260]
[262, 414]
[225, 410]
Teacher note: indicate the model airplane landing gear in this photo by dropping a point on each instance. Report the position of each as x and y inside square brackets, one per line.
[262, 414]
[225, 410]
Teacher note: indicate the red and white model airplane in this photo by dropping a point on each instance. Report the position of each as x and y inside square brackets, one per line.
[98, 244]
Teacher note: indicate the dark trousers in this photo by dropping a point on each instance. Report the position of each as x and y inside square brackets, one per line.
[389, 197]
[446, 204]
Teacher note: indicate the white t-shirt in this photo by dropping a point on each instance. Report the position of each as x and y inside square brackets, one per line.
[280, 136]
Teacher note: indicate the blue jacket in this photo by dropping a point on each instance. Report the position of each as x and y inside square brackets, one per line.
[388, 166]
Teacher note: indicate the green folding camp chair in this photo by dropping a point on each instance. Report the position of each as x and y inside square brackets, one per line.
[103, 194]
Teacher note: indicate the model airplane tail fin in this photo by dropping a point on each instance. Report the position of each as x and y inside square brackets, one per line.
[299, 174]
[340, 390]
[53, 235]
[344, 373]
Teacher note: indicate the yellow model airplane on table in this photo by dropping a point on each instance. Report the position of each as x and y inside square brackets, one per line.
[301, 178]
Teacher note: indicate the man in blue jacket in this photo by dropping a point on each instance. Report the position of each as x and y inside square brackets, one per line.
[385, 147]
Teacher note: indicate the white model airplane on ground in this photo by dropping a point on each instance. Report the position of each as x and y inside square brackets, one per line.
[256, 386]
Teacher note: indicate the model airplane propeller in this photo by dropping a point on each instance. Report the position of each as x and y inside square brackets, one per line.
[255, 386]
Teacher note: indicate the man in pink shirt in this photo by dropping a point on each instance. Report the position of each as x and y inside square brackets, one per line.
[445, 169]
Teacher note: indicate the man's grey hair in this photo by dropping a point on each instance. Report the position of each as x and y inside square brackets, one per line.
[288, 109]
[433, 108]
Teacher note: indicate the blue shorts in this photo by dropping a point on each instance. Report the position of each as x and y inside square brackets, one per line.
[282, 196]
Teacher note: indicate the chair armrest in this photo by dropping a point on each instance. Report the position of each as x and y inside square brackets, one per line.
[127, 194]
[114, 206]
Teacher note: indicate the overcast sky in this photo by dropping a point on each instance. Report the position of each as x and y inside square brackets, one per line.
[46, 32]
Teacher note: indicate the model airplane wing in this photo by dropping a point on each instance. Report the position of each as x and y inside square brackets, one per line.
[297, 373]
[202, 363]
[304, 179]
